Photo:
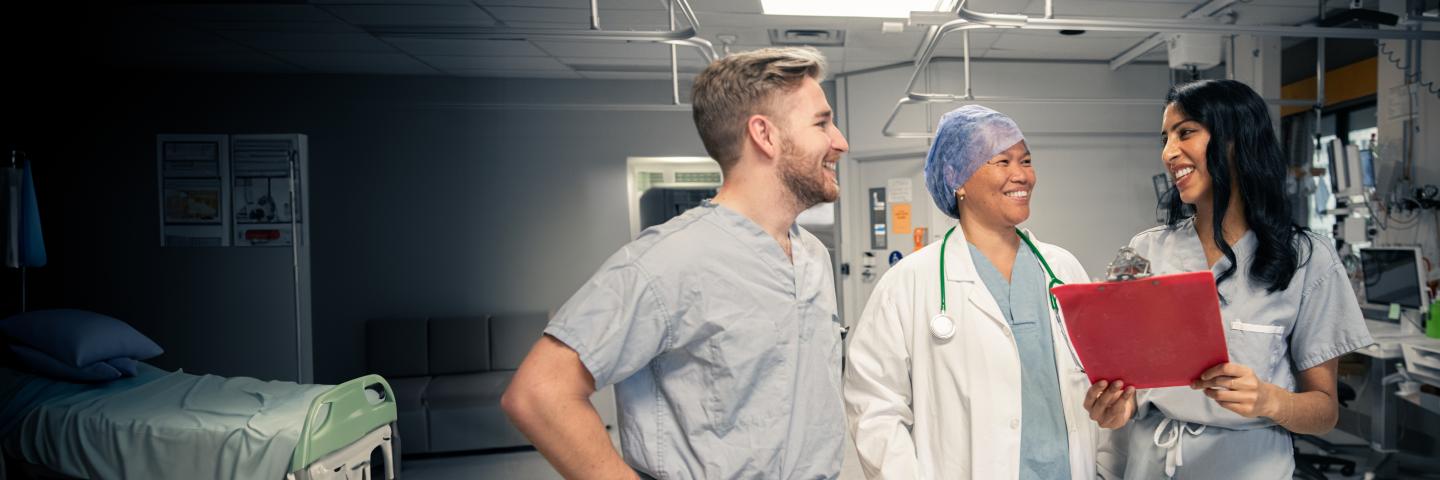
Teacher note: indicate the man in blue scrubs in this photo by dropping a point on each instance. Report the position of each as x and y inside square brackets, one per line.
[719, 327]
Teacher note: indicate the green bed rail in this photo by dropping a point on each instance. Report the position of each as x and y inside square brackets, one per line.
[350, 416]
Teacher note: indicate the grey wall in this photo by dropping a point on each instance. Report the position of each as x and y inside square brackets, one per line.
[222, 311]
[423, 202]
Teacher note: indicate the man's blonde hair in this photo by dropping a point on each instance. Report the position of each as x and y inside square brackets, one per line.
[733, 88]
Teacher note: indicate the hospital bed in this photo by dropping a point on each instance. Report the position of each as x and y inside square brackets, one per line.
[161, 425]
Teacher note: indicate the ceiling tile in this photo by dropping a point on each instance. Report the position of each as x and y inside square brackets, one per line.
[479, 48]
[744, 34]
[151, 40]
[362, 63]
[879, 54]
[1029, 45]
[333, 25]
[391, 2]
[658, 5]
[694, 62]
[401, 16]
[243, 13]
[715, 19]
[953, 45]
[309, 42]
[1120, 9]
[727, 6]
[463, 72]
[494, 63]
[685, 70]
[634, 76]
[580, 17]
[1252, 14]
[571, 49]
[876, 39]
[247, 61]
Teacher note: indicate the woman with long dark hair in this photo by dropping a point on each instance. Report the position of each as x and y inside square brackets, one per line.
[1288, 309]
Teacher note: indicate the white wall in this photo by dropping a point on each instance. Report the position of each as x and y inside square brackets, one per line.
[1093, 162]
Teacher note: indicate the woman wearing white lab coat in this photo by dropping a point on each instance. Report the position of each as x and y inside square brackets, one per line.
[942, 398]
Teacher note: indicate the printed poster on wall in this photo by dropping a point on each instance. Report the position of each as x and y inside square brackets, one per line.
[266, 176]
[193, 198]
[897, 190]
[900, 218]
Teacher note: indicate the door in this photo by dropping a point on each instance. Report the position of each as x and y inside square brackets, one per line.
[903, 179]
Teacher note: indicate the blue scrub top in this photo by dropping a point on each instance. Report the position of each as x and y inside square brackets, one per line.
[1044, 442]
[1316, 318]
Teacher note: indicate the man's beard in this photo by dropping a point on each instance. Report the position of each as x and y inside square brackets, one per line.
[807, 187]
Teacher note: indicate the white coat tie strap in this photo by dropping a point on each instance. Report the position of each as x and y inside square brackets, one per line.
[1173, 440]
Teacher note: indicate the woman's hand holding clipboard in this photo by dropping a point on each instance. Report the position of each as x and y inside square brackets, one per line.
[1157, 331]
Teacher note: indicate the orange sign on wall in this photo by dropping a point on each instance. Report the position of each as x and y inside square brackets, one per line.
[900, 218]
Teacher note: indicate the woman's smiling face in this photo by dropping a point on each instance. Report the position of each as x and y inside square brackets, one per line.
[1185, 141]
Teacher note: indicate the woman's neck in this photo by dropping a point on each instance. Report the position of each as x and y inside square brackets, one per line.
[998, 243]
[1233, 227]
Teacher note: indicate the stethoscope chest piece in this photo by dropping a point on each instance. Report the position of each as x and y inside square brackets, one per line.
[942, 327]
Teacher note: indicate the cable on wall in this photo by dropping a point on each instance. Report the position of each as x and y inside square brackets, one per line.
[1391, 56]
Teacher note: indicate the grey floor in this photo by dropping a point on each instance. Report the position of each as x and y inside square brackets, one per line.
[529, 465]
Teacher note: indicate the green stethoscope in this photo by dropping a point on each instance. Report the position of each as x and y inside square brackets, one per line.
[943, 327]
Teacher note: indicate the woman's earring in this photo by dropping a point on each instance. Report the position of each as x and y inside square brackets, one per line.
[962, 197]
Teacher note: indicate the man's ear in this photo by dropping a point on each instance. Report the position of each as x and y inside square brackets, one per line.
[764, 134]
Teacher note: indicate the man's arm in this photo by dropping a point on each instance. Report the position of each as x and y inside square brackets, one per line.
[549, 401]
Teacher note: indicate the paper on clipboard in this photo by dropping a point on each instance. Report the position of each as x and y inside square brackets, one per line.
[1159, 331]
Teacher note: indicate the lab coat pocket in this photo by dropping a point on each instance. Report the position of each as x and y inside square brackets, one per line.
[1260, 346]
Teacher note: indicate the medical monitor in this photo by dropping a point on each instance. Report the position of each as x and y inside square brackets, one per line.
[1393, 275]
[1367, 168]
[1346, 169]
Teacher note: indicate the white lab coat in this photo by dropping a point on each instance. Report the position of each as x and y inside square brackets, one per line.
[923, 408]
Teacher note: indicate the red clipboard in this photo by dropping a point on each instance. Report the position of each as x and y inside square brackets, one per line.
[1160, 331]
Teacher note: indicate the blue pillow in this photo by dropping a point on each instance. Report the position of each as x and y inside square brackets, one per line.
[78, 338]
[48, 366]
[126, 365]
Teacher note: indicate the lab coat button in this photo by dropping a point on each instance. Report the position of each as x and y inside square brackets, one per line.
[1014, 424]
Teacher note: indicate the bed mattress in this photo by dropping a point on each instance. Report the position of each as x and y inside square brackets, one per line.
[161, 425]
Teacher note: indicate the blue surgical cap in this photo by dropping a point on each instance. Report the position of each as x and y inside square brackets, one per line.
[966, 138]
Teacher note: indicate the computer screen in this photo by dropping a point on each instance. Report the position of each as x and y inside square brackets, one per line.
[1392, 275]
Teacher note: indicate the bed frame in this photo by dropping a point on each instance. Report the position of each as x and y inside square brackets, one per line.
[343, 428]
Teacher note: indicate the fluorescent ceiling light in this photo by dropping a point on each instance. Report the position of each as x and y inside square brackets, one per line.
[854, 8]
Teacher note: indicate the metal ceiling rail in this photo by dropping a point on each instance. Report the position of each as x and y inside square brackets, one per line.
[971, 20]
[688, 37]
[1206, 9]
